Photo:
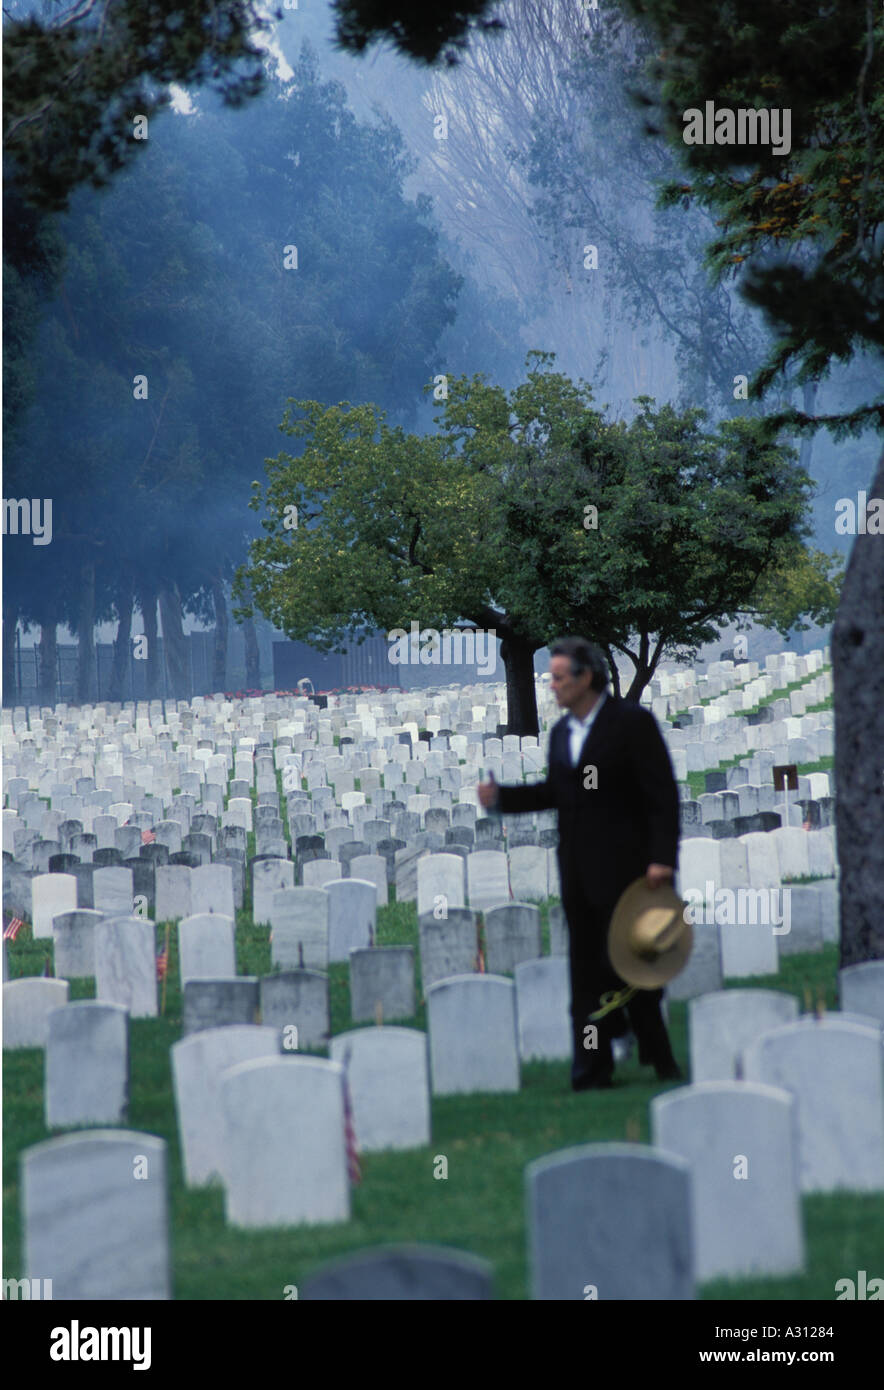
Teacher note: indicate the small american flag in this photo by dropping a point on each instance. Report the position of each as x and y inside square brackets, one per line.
[11, 926]
[147, 837]
[480, 961]
[163, 962]
[354, 1172]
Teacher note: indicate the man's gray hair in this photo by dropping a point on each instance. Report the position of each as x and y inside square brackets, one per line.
[585, 656]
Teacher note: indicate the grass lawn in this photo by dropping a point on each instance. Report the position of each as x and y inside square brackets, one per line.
[487, 1140]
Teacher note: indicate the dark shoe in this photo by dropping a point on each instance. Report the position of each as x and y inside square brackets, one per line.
[592, 1083]
[671, 1072]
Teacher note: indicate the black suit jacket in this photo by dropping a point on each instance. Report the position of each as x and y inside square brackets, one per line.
[608, 835]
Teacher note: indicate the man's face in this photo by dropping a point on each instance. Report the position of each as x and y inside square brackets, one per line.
[567, 688]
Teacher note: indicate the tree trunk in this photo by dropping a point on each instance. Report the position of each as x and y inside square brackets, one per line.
[48, 661]
[253, 656]
[125, 604]
[175, 645]
[521, 698]
[10, 674]
[147, 602]
[219, 654]
[612, 667]
[858, 677]
[86, 691]
[644, 669]
[250, 637]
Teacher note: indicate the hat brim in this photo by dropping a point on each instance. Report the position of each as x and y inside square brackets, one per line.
[629, 965]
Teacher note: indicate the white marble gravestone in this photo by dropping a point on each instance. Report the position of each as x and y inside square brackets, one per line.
[112, 891]
[834, 1070]
[27, 1004]
[387, 1073]
[612, 1222]
[125, 964]
[543, 999]
[87, 1065]
[352, 913]
[861, 988]
[207, 948]
[740, 1140]
[529, 877]
[198, 1063]
[268, 877]
[284, 1158]
[471, 1020]
[95, 1216]
[211, 890]
[382, 977]
[512, 934]
[74, 942]
[299, 923]
[487, 879]
[173, 897]
[52, 894]
[372, 868]
[440, 879]
[723, 1023]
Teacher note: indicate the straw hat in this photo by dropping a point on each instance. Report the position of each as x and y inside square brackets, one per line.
[649, 940]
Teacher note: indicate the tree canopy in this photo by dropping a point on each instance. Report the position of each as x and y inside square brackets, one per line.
[75, 80]
[529, 513]
[153, 388]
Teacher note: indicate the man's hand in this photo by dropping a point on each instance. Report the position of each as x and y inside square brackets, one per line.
[658, 874]
[488, 793]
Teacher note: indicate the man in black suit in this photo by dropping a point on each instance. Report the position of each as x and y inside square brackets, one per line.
[610, 778]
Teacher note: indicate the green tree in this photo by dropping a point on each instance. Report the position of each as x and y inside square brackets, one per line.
[75, 80]
[424, 32]
[801, 234]
[150, 494]
[484, 523]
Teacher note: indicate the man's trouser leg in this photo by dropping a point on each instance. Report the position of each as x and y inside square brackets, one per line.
[647, 1022]
[591, 976]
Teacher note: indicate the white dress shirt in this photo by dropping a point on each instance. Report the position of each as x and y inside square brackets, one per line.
[579, 728]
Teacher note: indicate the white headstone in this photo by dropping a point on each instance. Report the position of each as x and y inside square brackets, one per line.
[173, 899]
[87, 1064]
[722, 1024]
[269, 876]
[610, 1221]
[833, 1069]
[284, 1156]
[352, 910]
[740, 1140]
[207, 949]
[27, 1004]
[543, 998]
[471, 1020]
[52, 894]
[125, 964]
[112, 891]
[211, 890]
[73, 949]
[95, 1216]
[373, 869]
[299, 922]
[861, 988]
[440, 878]
[198, 1062]
[387, 1074]
[487, 879]
[529, 879]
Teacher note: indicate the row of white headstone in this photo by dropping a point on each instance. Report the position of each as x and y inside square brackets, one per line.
[719, 1194]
